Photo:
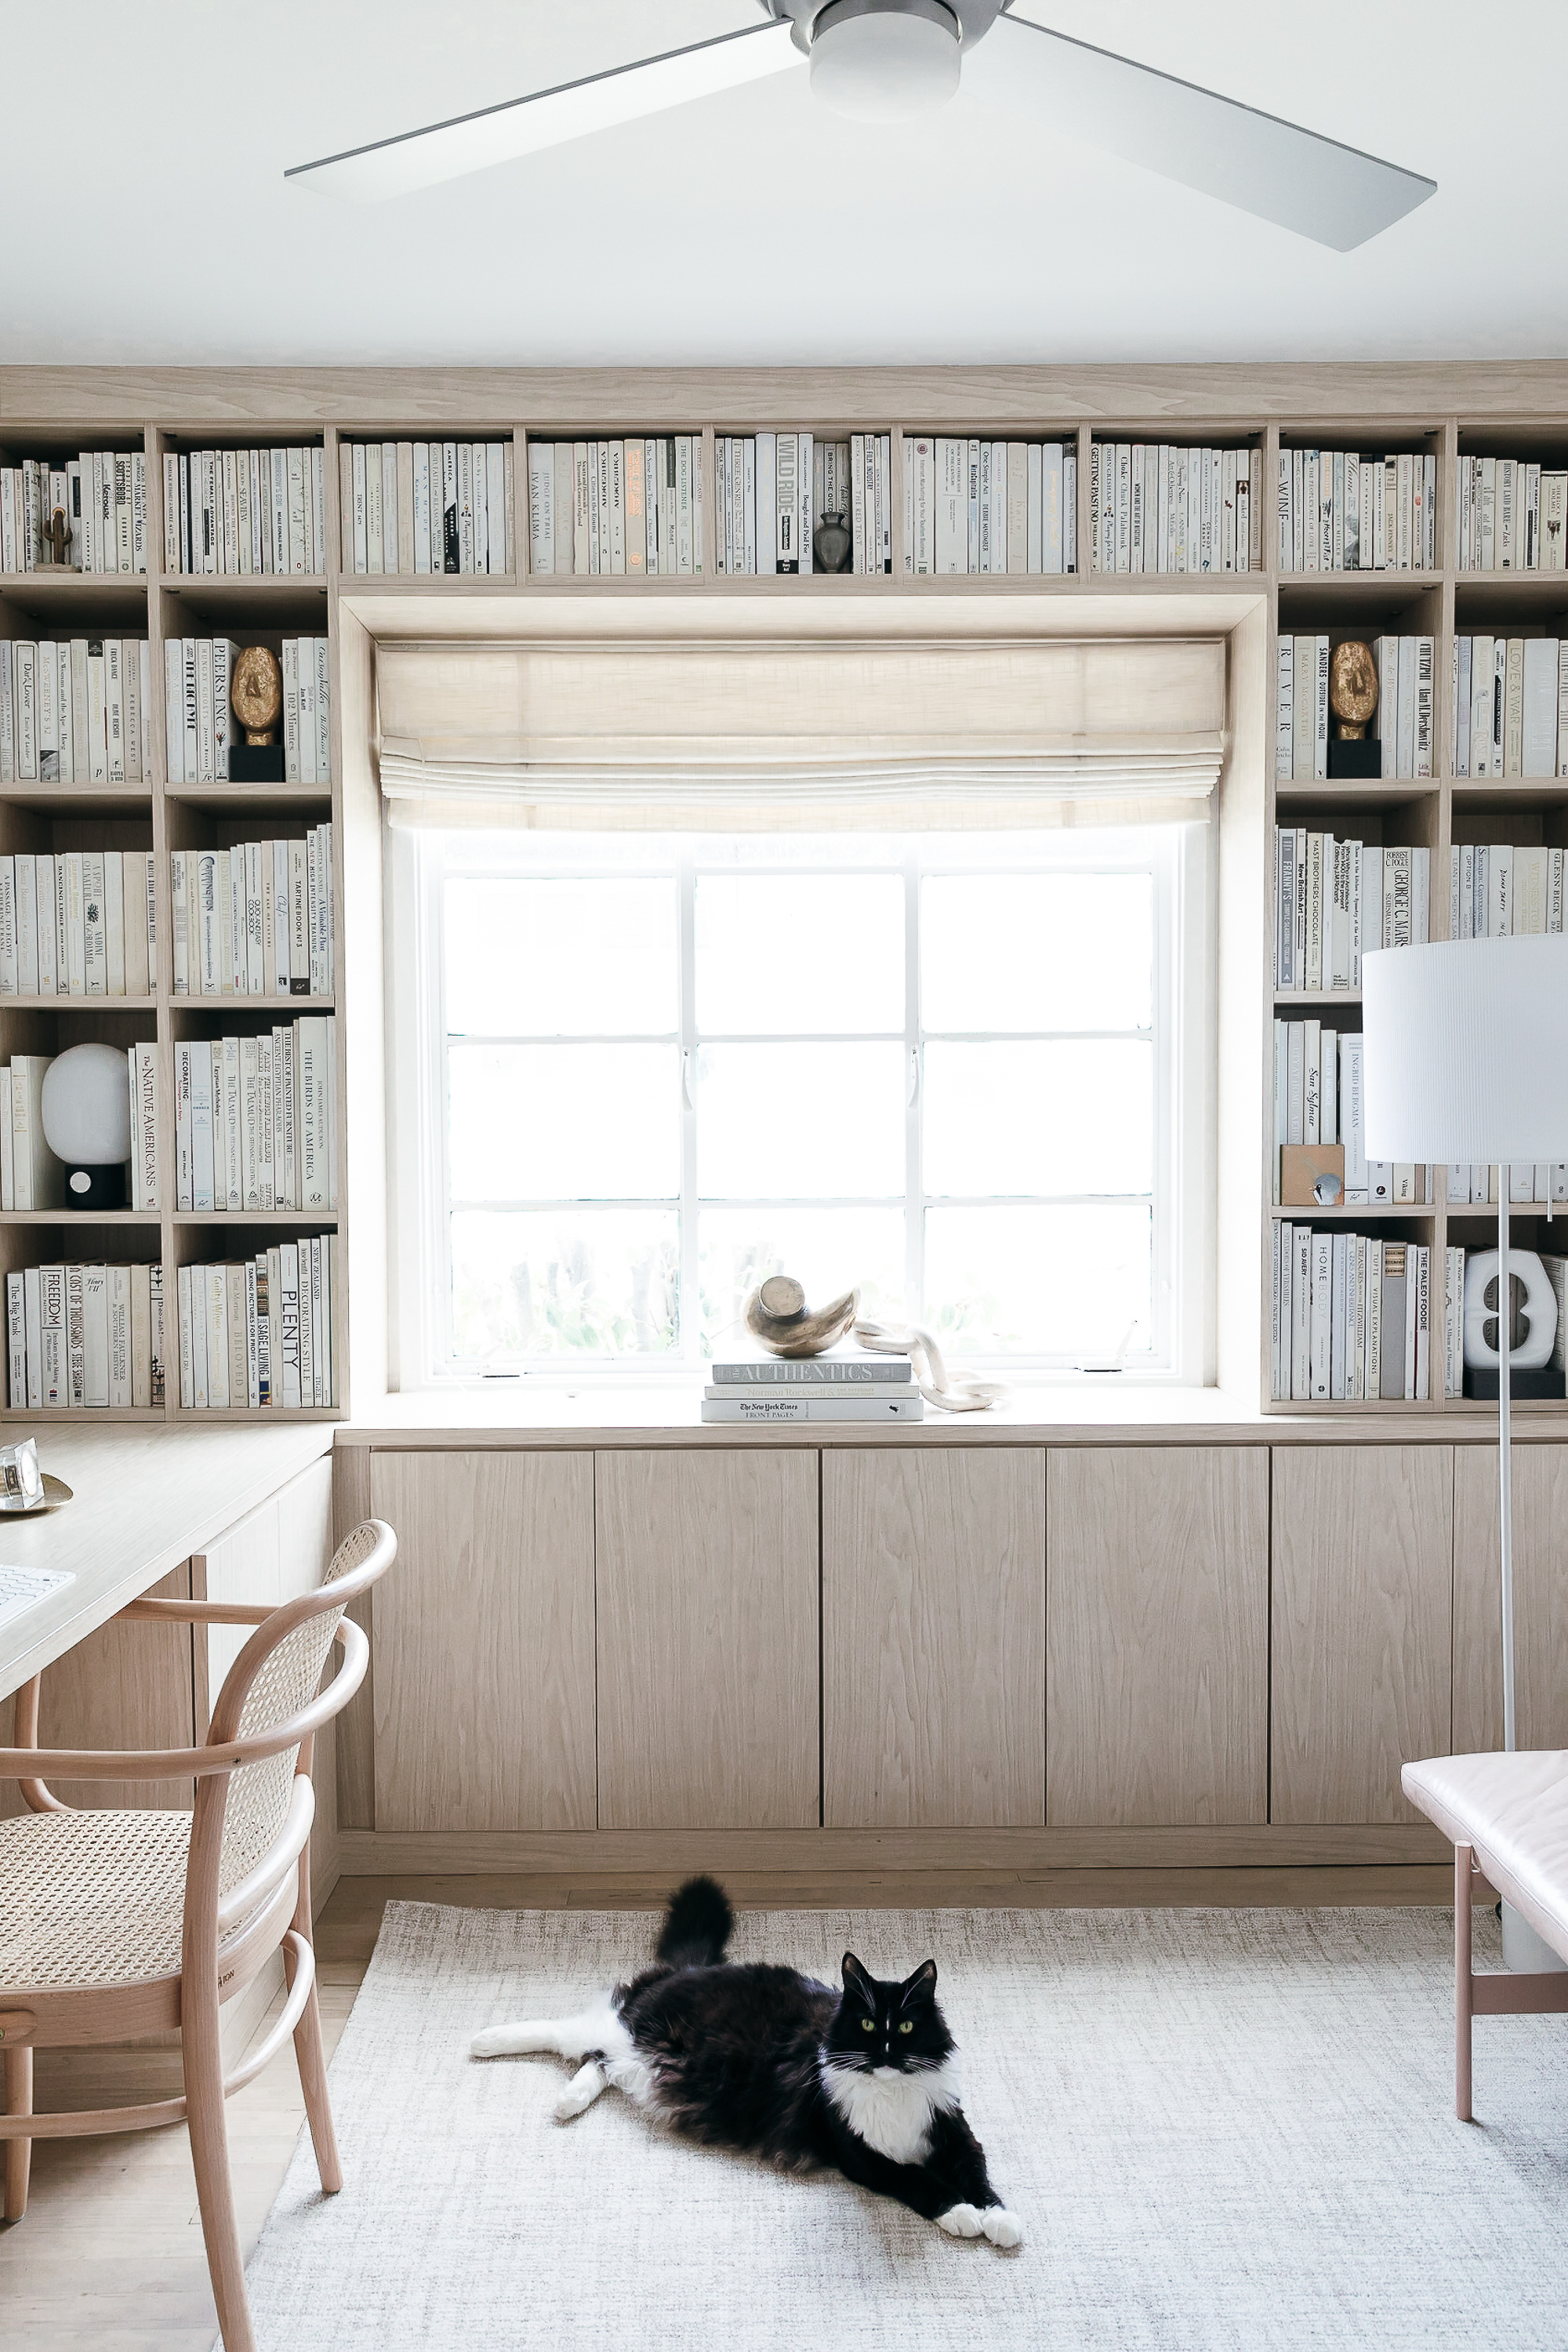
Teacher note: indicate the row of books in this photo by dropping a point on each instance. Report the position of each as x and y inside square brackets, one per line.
[74, 711]
[631, 509]
[415, 506]
[31, 1178]
[236, 511]
[261, 1332]
[1510, 707]
[256, 1120]
[1156, 507]
[1350, 1317]
[1333, 899]
[1499, 889]
[1512, 516]
[89, 1335]
[978, 505]
[1319, 1102]
[77, 922]
[1339, 510]
[1402, 723]
[199, 723]
[102, 495]
[762, 519]
[813, 1387]
[256, 920]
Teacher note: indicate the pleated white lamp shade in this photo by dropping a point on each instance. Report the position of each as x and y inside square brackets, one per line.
[1465, 1050]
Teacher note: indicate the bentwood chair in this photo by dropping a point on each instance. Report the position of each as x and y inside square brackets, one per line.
[114, 1925]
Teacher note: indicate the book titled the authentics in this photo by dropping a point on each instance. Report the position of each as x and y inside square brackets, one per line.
[813, 1371]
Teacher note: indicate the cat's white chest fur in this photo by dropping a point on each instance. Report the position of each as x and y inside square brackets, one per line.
[891, 2111]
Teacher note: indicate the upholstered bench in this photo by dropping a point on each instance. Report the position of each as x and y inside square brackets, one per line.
[1508, 1818]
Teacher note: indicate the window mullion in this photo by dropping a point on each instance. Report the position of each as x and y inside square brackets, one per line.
[690, 1310]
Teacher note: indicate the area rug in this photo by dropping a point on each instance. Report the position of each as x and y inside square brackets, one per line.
[1225, 2129]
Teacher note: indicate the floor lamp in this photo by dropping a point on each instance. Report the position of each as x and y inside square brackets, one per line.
[1466, 1058]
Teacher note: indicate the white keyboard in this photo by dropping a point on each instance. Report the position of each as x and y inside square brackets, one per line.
[23, 1587]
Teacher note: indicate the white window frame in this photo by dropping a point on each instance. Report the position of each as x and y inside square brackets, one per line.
[1184, 1242]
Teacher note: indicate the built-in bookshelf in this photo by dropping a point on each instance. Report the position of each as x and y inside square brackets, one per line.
[1422, 448]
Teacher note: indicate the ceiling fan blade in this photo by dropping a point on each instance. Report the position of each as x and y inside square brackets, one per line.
[1334, 194]
[549, 118]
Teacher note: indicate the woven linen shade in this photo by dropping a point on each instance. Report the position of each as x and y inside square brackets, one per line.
[680, 735]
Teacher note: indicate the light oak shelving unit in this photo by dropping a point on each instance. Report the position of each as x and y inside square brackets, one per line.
[1518, 408]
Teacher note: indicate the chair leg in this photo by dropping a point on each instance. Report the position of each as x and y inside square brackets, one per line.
[312, 2064]
[18, 2152]
[1463, 1996]
[202, 2057]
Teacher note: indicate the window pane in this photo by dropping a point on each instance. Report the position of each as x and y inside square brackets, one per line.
[829, 1250]
[558, 1282]
[1062, 1117]
[812, 1120]
[1036, 951]
[1038, 1282]
[564, 1122]
[799, 952]
[565, 959]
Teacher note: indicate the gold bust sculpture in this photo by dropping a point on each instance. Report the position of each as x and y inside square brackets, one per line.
[257, 693]
[1353, 688]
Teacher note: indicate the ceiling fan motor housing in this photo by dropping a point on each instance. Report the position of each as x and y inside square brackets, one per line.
[885, 60]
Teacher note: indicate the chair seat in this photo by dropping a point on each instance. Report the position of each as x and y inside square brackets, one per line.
[91, 1899]
[1513, 1810]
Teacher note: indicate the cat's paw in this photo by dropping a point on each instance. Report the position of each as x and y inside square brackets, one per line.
[495, 2042]
[580, 2093]
[1002, 2229]
[961, 2221]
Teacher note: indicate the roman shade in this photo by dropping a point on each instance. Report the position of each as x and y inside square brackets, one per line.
[891, 733]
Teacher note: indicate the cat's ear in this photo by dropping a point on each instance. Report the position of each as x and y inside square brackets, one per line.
[856, 1979]
[923, 1979]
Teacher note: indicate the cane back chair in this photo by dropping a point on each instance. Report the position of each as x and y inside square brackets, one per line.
[115, 1925]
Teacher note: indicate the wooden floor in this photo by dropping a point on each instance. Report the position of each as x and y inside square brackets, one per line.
[110, 2256]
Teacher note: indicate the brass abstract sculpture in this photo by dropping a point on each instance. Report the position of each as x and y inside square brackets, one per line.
[257, 693]
[1353, 688]
[776, 1314]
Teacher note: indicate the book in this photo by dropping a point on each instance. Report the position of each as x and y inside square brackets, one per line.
[808, 1407]
[813, 1371]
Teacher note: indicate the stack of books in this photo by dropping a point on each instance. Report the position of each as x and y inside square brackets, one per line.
[74, 711]
[1334, 898]
[79, 922]
[1511, 515]
[412, 506]
[1154, 508]
[1340, 511]
[103, 494]
[258, 1333]
[975, 506]
[1509, 714]
[627, 508]
[231, 511]
[813, 1388]
[255, 920]
[84, 1337]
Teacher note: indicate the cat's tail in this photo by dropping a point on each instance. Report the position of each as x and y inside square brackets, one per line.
[697, 1926]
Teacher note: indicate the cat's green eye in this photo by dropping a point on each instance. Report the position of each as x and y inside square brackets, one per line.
[906, 2025]
[867, 2025]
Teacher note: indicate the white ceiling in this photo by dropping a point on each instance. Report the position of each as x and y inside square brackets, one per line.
[145, 217]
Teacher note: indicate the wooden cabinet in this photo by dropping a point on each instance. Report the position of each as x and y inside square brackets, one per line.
[484, 1642]
[933, 1637]
[1157, 1635]
[708, 1637]
[1362, 1539]
[1540, 1598]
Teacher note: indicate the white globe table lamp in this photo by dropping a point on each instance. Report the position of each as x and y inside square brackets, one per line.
[86, 1123]
[1466, 1058]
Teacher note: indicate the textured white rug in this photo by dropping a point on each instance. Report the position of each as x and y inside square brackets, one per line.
[1222, 2129]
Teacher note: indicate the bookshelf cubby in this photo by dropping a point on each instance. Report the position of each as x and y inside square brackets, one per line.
[1517, 410]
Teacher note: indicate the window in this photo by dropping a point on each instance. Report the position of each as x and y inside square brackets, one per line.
[966, 1072]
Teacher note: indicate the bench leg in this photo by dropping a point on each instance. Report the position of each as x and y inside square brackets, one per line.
[1463, 1997]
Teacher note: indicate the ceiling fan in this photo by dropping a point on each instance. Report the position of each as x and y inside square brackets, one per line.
[889, 61]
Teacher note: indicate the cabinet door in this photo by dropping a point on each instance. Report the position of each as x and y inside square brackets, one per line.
[484, 1642]
[1157, 1635]
[1540, 1598]
[1362, 1590]
[707, 1583]
[933, 1637]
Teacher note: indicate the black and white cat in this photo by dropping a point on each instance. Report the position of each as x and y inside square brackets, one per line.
[760, 2058]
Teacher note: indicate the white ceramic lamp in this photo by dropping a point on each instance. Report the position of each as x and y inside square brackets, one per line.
[1465, 1057]
[86, 1123]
